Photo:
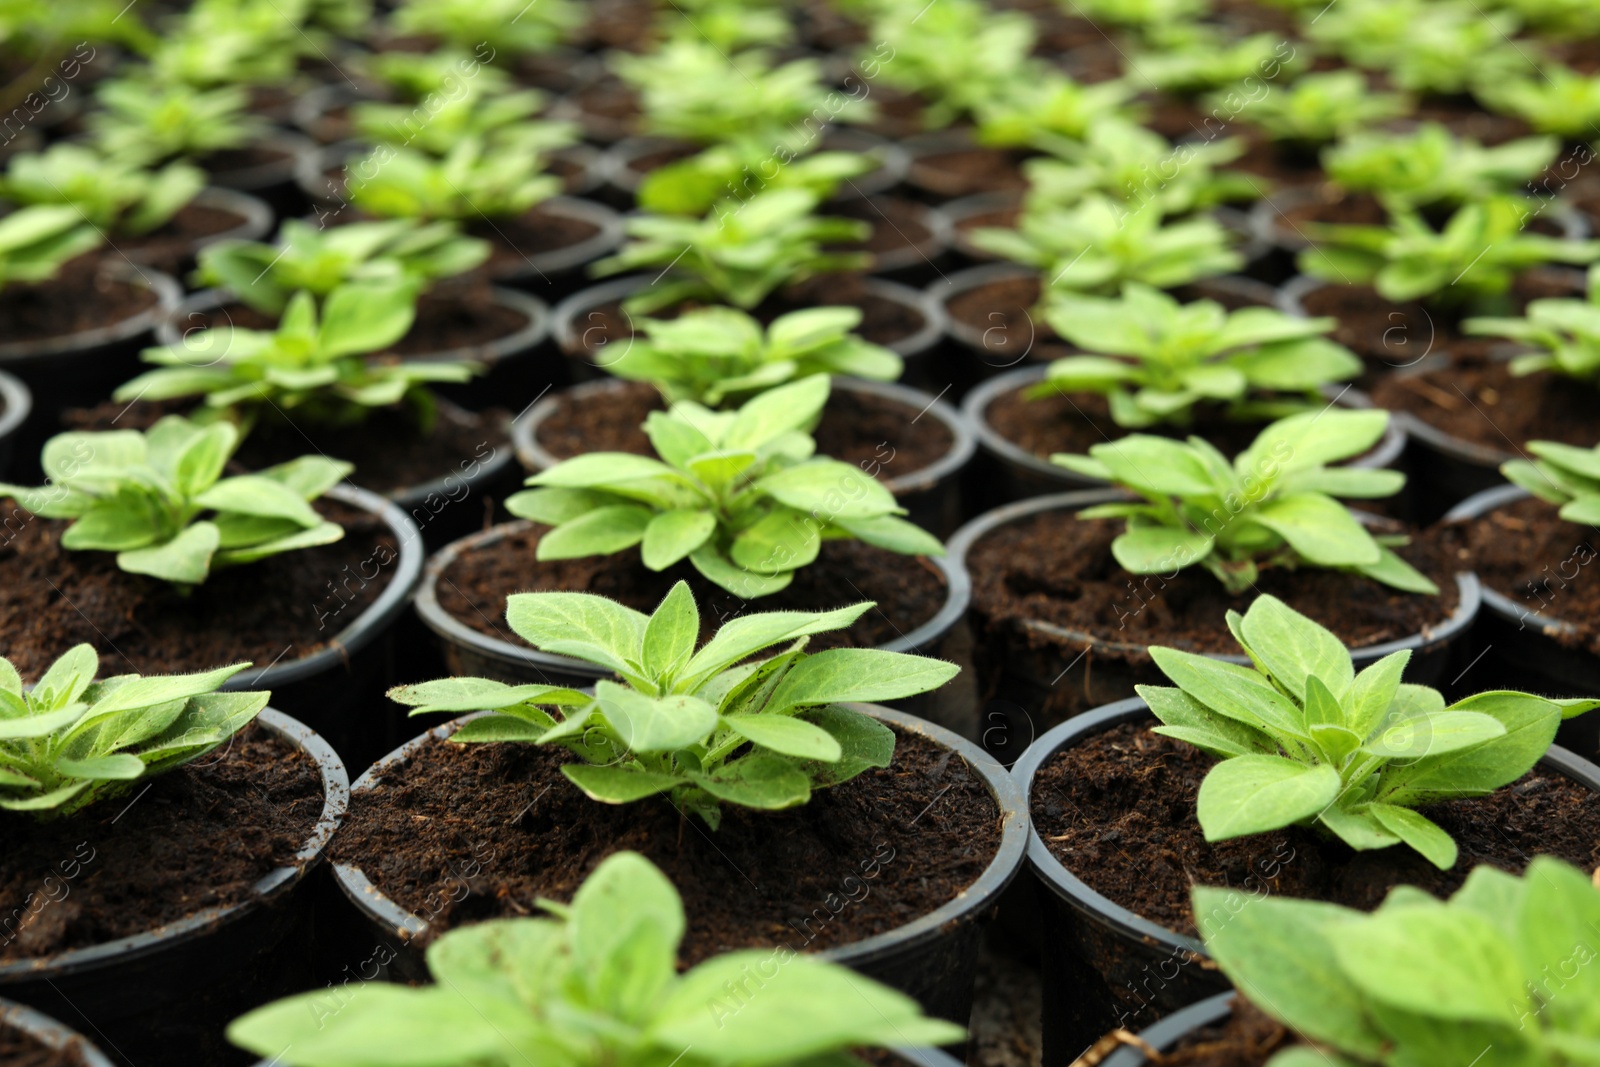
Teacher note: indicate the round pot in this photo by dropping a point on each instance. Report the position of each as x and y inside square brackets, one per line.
[1521, 647]
[1017, 473]
[1105, 966]
[923, 230]
[1166, 1034]
[578, 165]
[16, 402]
[924, 175]
[468, 652]
[49, 1033]
[165, 995]
[931, 495]
[933, 958]
[1032, 680]
[620, 164]
[255, 221]
[273, 181]
[967, 212]
[559, 271]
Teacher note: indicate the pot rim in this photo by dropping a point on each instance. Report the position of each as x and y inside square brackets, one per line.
[167, 292]
[49, 1032]
[18, 401]
[256, 218]
[1004, 789]
[1478, 505]
[295, 146]
[535, 457]
[1164, 1033]
[958, 592]
[272, 886]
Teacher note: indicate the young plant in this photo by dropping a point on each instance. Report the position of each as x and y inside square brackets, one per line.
[1138, 167]
[159, 501]
[110, 196]
[1432, 166]
[739, 254]
[1317, 108]
[740, 494]
[319, 260]
[1563, 475]
[35, 242]
[1501, 973]
[1567, 330]
[595, 984]
[741, 169]
[955, 55]
[1047, 110]
[715, 354]
[509, 28]
[1144, 15]
[1190, 58]
[70, 740]
[1426, 46]
[764, 734]
[231, 42]
[1274, 506]
[445, 72]
[472, 181]
[1558, 101]
[144, 122]
[1571, 20]
[312, 365]
[729, 25]
[1099, 244]
[1155, 359]
[1475, 257]
[1303, 739]
[500, 121]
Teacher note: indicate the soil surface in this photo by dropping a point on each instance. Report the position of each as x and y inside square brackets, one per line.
[908, 590]
[964, 171]
[198, 837]
[1526, 552]
[276, 610]
[516, 242]
[170, 246]
[1246, 1038]
[856, 428]
[249, 157]
[18, 1049]
[899, 230]
[1481, 401]
[1118, 811]
[1058, 569]
[861, 858]
[81, 297]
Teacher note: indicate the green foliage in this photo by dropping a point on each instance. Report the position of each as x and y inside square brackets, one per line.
[1476, 255]
[1099, 244]
[1431, 46]
[143, 122]
[955, 54]
[1168, 357]
[1138, 167]
[1147, 15]
[36, 241]
[71, 740]
[763, 734]
[1431, 166]
[741, 168]
[1047, 110]
[1317, 108]
[729, 25]
[1274, 506]
[144, 495]
[311, 365]
[502, 122]
[471, 181]
[740, 494]
[711, 355]
[1194, 57]
[1558, 100]
[1561, 475]
[1502, 975]
[446, 71]
[108, 195]
[1562, 19]
[232, 42]
[44, 32]
[509, 28]
[317, 260]
[595, 985]
[1304, 739]
[739, 254]
[1567, 330]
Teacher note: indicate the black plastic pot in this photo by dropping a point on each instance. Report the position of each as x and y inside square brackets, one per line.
[1519, 647]
[1105, 967]
[933, 958]
[1166, 1034]
[621, 173]
[930, 181]
[16, 403]
[255, 221]
[1011, 472]
[49, 1033]
[917, 262]
[274, 181]
[932, 495]
[1036, 678]
[165, 995]
[962, 209]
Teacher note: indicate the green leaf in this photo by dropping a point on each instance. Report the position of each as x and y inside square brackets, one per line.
[1290, 647]
[553, 506]
[829, 490]
[1374, 691]
[749, 634]
[1393, 571]
[1418, 831]
[864, 743]
[620, 784]
[894, 534]
[654, 724]
[1254, 794]
[1555, 919]
[119, 767]
[186, 559]
[1160, 549]
[784, 540]
[497, 728]
[362, 318]
[1231, 690]
[626, 922]
[582, 625]
[1530, 725]
[1319, 528]
[479, 694]
[673, 535]
[859, 675]
[1434, 734]
[741, 582]
[600, 532]
[250, 494]
[786, 736]
[672, 633]
[759, 781]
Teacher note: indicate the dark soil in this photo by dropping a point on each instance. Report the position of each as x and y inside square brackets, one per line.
[198, 837]
[18, 1049]
[275, 610]
[1525, 551]
[1246, 1038]
[855, 428]
[249, 157]
[608, 109]
[1328, 205]
[860, 859]
[81, 297]
[908, 590]
[518, 241]
[899, 229]
[1004, 218]
[1118, 811]
[170, 246]
[1482, 402]
[1466, 118]
[964, 171]
[1280, 164]
[1058, 569]
[1003, 312]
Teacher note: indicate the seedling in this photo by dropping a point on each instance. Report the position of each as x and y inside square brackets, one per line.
[1155, 359]
[1050, 111]
[711, 355]
[689, 723]
[500, 121]
[311, 365]
[741, 169]
[1100, 244]
[1475, 257]
[738, 254]
[1315, 108]
[446, 71]
[1502, 968]
[1426, 46]
[1567, 330]
[159, 501]
[1191, 58]
[510, 28]
[1273, 506]
[741, 495]
[1562, 19]
[70, 740]
[234, 42]
[1147, 15]
[955, 55]
[317, 260]
[1433, 166]
[1563, 475]
[472, 181]
[594, 984]
[1138, 167]
[35, 242]
[1558, 101]
[729, 25]
[144, 122]
[110, 196]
